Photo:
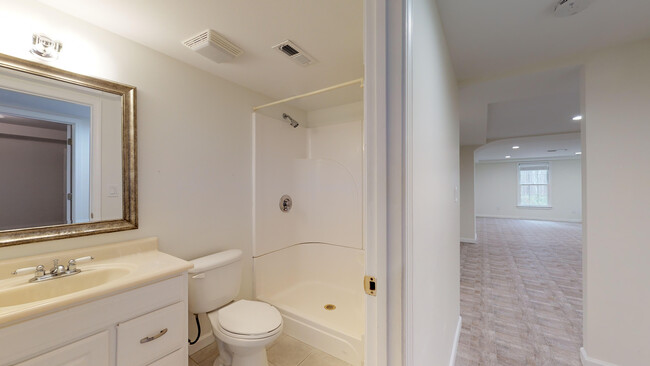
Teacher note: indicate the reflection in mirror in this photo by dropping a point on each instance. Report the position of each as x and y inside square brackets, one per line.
[67, 154]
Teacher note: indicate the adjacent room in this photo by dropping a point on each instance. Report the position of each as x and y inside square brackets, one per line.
[521, 222]
[548, 148]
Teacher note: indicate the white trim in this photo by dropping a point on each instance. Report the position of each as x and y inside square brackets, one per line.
[468, 240]
[454, 350]
[588, 361]
[528, 218]
[394, 209]
[524, 160]
[407, 185]
[535, 207]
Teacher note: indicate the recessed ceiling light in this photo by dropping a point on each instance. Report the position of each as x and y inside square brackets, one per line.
[507, 156]
[515, 147]
[577, 118]
[579, 153]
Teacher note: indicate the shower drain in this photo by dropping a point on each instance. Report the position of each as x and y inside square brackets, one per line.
[330, 307]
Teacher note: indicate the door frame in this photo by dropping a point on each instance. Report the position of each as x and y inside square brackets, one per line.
[374, 185]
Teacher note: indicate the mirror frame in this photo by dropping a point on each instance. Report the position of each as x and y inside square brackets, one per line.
[129, 219]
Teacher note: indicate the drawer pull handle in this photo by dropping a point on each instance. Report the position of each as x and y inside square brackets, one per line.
[149, 339]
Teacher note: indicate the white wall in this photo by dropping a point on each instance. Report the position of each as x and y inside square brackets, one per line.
[467, 211]
[433, 265]
[496, 192]
[194, 138]
[616, 253]
[351, 112]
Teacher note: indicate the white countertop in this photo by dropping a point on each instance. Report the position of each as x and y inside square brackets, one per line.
[141, 258]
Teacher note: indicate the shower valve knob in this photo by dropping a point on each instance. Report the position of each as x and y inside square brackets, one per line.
[285, 203]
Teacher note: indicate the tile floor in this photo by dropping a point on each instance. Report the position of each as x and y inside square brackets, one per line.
[521, 294]
[286, 351]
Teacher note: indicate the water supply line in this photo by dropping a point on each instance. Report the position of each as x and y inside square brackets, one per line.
[198, 326]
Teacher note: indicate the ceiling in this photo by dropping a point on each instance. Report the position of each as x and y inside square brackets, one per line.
[562, 146]
[539, 115]
[490, 39]
[523, 105]
[486, 38]
[331, 31]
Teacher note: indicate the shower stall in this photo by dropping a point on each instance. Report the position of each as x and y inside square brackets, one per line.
[307, 241]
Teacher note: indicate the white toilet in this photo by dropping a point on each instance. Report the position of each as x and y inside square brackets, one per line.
[243, 328]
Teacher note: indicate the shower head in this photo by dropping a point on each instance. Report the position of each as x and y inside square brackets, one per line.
[292, 121]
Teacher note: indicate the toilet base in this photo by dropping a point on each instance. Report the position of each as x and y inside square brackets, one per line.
[240, 356]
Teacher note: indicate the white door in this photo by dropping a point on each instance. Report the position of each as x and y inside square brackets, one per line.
[91, 351]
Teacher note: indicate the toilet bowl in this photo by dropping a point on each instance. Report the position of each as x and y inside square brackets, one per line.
[243, 328]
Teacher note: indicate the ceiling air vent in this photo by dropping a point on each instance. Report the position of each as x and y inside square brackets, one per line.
[295, 53]
[214, 46]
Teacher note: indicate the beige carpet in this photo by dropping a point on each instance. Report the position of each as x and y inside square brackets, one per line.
[521, 294]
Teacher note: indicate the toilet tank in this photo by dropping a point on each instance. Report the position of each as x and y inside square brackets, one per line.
[214, 281]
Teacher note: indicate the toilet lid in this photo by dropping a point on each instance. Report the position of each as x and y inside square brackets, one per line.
[249, 317]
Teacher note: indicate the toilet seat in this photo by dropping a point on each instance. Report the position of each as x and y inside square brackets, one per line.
[251, 337]
[246, 319]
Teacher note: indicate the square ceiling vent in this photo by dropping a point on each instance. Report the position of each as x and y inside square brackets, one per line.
[214, 46]
[295, 53]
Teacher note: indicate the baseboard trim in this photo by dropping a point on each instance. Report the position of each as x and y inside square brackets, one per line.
[468, 240]
[528, 218]
[588, 361]
[454, 350]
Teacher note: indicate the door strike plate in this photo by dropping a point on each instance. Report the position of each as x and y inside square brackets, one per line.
[370, 285]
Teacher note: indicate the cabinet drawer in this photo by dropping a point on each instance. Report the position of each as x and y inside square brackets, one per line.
[178, 358]
[147, 338]
[91, 351]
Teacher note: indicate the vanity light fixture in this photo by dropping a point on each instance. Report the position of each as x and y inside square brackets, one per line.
[45, 47]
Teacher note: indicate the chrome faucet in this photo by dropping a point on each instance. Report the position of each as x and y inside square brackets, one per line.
[57, 271]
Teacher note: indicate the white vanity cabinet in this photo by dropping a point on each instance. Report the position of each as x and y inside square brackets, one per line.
[138, 327]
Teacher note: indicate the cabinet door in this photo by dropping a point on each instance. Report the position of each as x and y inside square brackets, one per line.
[178, 358]
[91, 351]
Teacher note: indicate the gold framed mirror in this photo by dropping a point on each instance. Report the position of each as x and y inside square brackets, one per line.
[98, 171]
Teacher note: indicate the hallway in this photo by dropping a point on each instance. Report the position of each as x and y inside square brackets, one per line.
[521, 294]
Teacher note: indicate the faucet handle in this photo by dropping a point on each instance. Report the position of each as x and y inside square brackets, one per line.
[72, 264]
[38, 270]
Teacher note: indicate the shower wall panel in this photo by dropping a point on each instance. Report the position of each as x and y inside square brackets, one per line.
[321, 169]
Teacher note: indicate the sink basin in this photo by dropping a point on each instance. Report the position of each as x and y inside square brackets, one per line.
[24, 292]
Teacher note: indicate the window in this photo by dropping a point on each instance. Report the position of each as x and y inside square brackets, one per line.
[533, 184]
